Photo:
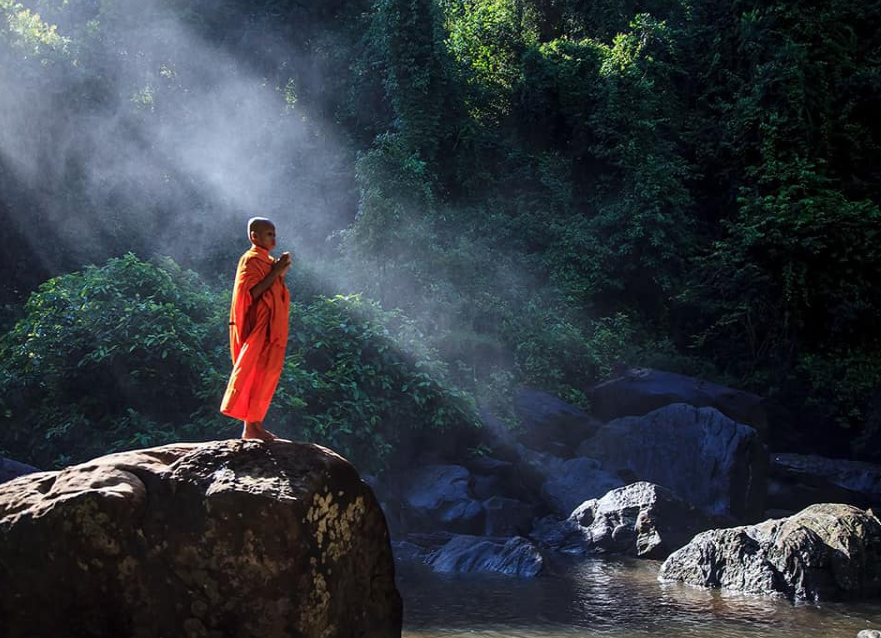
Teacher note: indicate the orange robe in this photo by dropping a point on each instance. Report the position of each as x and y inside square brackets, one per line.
[258, 334]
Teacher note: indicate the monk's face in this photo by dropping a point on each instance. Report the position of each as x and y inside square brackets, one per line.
[264, 236]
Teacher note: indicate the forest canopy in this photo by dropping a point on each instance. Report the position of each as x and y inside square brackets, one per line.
[543, 191]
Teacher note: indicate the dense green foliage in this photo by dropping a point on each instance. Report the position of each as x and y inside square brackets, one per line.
[548, 189]
[134, 354]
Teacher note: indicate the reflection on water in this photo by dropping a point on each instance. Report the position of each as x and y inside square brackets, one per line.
[611, 598]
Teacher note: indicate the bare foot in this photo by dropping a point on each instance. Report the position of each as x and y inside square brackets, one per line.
[255, 430]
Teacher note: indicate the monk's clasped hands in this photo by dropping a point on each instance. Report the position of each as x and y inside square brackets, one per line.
[283, 262]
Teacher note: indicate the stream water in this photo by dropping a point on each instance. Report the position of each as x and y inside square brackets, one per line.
[610, 598]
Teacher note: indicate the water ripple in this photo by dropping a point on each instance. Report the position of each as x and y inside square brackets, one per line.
[611, 598]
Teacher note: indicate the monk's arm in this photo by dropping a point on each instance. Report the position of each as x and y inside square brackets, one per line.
[278, 270]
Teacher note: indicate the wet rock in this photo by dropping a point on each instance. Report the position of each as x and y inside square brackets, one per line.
[700, 454]
[825, 552]
[869, 633]
[565, 536]
[575, 481]
[495, 477]
[799, 480]
[429, 541]
[643, 390]
[508, 516]
[641, 519]
[10, 469]
[534, 468]
[549, 423]
[441, 498]
[225, 538]
[515, 556]
[497, 435]
[489, 466]
[406, 551]
[561, 485]
[485, 487]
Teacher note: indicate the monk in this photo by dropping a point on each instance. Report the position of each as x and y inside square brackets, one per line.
[258, 330]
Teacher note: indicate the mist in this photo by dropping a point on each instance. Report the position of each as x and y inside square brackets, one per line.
[180, 136]
[155, 129]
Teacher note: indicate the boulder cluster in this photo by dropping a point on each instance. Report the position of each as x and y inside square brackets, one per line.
[286, 539]
[666, 467]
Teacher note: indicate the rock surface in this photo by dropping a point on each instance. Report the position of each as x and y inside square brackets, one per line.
[642, 390]
[10, 469]
[799, 477]
[700, 454]
[641, 519]
[439, 498]
[515, 556]
[507, 516]
[560, 485]
[825, 552]
[576, 480]
[549, 423]
[227, 538]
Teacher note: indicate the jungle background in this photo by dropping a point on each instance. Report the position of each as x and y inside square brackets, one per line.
[478, 194]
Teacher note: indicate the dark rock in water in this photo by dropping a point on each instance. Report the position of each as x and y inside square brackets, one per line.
[515, 556]
[790, 491]
[641, 519]
[407, 551]
[565, 536]
[498, 436]
[825, 552]
[575, 481]
[485, 487]
[508, 516]
[429, 541]
[549, 423]
[700, 454]
[441, 498]
[432, 486]
[227, 538]
[10, 469]
[799, 480]
[490, 466]
[642, 390]
[535, 468]
[563, 485]
[494, 477]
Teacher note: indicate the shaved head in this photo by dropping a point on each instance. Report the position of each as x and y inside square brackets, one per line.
[257, 224]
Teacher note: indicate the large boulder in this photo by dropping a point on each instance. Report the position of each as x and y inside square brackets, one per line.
[576, 480]
[825, 552]
[550, 424]
[642, 390]
[10, 469]
[439, 497]
[641, 519]
[515, 556]
[700, 454]
[507, 516]
[799, 480]
[231, 538]
[562, 485]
